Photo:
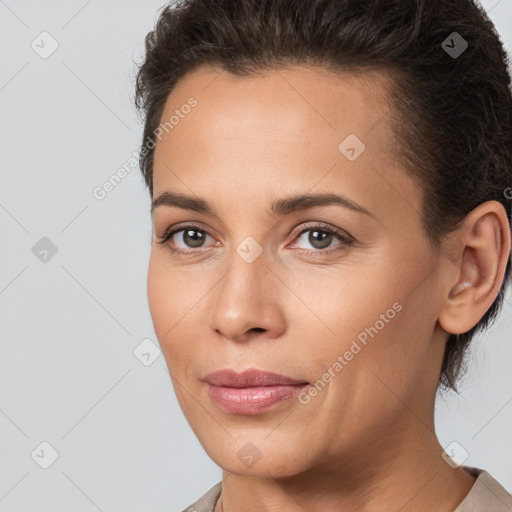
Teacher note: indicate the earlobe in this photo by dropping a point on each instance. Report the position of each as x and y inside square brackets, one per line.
[477, 274]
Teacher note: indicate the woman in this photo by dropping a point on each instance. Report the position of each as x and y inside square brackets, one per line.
[330, 182]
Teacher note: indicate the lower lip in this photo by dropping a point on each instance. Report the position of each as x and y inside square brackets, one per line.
[251, 400]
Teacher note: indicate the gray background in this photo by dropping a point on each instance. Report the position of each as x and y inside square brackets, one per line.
[70, 324]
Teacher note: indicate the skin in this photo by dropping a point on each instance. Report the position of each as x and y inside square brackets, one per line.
[366, 442]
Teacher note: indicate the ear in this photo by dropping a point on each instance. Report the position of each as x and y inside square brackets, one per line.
[476, 260]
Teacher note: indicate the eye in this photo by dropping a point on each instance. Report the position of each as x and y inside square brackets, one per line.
[321, 237]
[190, 235]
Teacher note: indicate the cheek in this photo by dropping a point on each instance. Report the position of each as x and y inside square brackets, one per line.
[167, 300]
[158, 298]
[368, 318]
[176, 300]
[341, 302]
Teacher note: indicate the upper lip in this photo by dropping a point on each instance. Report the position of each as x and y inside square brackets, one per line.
[249, 378]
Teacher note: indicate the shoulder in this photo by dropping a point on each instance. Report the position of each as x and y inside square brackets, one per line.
[486, 494]
[207, 502]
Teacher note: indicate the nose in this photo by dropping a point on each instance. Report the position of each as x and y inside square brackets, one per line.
[247, 301]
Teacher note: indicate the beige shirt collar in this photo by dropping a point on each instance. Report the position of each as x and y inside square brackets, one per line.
[486, 495]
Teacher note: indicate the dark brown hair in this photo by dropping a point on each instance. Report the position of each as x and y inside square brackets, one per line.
[451, 112]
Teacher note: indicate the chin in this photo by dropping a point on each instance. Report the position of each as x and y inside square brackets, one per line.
[256, 460]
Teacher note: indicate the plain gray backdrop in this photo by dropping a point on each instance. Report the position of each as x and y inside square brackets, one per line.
[88, 417]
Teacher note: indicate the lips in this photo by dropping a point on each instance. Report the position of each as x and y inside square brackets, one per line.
[249, 378]
[252, 391]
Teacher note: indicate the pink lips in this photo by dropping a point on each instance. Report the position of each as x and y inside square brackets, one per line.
[252, 391]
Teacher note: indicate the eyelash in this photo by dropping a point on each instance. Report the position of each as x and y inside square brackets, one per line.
[346, 240]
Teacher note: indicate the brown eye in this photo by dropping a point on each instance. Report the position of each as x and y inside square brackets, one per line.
[192, 237]
[185, 239]
[321, 238]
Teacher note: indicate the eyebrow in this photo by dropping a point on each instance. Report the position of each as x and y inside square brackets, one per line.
[283, 206]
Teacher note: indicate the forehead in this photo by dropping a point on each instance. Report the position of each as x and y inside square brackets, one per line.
[283, 128]
[309, 100]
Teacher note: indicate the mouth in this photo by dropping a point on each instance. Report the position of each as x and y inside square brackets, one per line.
[252, 391]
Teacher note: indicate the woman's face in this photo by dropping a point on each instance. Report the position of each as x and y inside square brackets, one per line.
[347, 298]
